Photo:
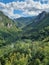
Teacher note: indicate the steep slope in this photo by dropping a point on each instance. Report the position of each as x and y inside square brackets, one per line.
[42, 18]
[8, 30]
[34, 29]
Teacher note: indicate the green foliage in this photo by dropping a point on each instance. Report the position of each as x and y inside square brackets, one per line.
[29, 46]
[25, 53]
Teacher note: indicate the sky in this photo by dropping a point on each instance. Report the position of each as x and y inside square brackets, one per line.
[23, 8]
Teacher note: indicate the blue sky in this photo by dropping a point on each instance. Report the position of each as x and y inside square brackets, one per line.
[18, 12]
[23, 8]
[7, 1]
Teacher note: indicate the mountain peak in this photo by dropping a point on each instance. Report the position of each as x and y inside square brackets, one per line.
[44, 12]
[41, 16]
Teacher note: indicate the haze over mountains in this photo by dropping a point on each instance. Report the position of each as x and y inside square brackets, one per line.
[37, 25]
[23, 21]
[41, 19]
[24, 32]
[28, 25]
[24, 41]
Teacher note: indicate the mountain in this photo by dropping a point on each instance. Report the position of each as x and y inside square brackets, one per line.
[40, 21]
[8, 30]
[23, 21]
[28, 45]
[41, 16]
[23, 28]
[38, 28]
[5, 20]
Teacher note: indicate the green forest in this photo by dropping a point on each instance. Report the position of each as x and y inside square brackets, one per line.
[24, 45]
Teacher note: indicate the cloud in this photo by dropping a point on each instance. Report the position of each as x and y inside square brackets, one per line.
[8, 10]
[29, 7]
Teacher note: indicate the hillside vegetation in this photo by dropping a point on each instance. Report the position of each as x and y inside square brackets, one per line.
[28, 45]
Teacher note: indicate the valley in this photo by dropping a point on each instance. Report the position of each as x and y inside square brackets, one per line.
[24, 41]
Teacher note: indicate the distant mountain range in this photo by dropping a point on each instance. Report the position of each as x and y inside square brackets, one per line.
[38, 28]
[24, 27]
[24, 41]
[23, 21]
[40, 21]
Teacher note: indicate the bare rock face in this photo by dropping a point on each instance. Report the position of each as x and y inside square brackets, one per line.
[9, 25]
[40, 16]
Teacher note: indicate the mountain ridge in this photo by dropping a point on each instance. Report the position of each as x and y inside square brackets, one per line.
[24, 21]
[8, 30]
[33, 30]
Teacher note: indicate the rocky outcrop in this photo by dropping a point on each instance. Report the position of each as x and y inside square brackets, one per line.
[41, 16]
[9, 25]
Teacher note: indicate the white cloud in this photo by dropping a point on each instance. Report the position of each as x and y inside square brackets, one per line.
[15, 16]
[29, 7]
